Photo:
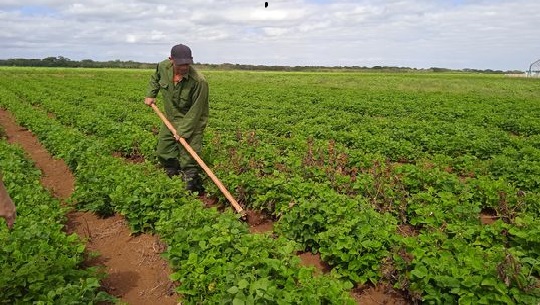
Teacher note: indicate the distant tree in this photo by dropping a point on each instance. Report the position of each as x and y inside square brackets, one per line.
[436, 69]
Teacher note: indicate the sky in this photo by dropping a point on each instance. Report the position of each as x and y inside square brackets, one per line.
[454, 34]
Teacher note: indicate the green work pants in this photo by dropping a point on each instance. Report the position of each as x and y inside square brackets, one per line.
[168, 149]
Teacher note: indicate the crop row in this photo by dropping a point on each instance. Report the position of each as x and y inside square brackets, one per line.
[41, 264]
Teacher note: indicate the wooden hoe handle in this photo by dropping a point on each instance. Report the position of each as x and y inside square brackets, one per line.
[201, 163]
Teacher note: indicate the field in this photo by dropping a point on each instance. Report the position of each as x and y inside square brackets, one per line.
[429, 183]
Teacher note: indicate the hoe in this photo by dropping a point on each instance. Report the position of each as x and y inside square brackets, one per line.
[201, 163]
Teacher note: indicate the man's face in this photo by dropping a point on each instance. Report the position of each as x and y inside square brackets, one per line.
[180, 69]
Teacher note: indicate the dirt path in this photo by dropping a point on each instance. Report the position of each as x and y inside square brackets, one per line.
[137, 274]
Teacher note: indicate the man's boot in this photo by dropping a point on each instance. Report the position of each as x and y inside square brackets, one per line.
[171, 167]
[193, 181]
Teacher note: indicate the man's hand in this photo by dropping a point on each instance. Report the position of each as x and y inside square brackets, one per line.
[7, 208]
[149, 101]
[8, 212]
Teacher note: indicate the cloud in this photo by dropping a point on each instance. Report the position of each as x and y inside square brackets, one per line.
[494, 34]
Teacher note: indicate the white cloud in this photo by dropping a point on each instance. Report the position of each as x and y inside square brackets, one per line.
[494, 34]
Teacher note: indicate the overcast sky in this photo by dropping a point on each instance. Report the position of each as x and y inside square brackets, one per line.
[457, 34]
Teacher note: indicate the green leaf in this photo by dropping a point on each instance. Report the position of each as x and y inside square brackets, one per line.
[261, 284]
[233, 290]
[240, 299]
[489, 282]
[242, 284]
[420, 272]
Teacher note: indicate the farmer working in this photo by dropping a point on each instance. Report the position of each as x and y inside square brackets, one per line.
[7, 208]
[185, 96]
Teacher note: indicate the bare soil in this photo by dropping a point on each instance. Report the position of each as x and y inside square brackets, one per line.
[488, 216]
[378, 295]
[137, 273]
[309, 259]
[407, 230]
[259, 223]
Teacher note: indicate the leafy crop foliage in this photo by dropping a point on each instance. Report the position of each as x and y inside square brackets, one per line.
[385, 175]
[41, 264]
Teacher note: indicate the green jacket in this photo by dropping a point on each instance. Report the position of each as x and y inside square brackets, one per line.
[186, 103]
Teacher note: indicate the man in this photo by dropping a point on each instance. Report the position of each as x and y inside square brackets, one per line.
[185, 97]
[7, 208]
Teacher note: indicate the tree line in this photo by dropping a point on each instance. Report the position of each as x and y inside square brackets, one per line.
[61, 61]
